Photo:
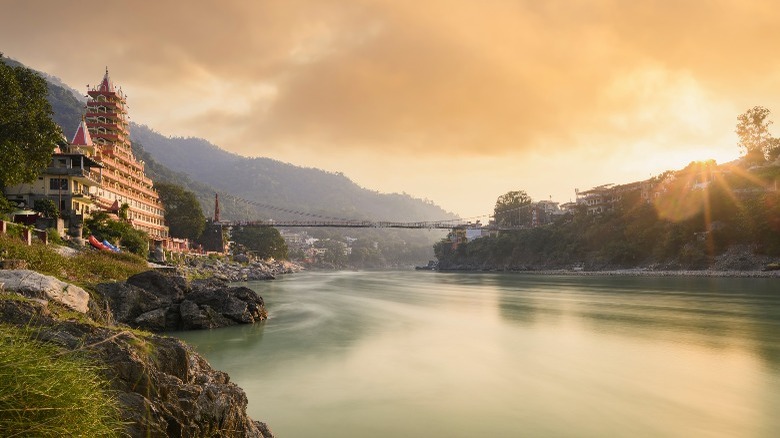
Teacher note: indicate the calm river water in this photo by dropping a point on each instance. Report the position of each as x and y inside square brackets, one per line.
[424, 354]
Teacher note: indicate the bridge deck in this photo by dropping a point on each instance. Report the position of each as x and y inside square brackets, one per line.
[347, 224]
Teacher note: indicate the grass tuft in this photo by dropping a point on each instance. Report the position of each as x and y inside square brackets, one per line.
[45, 393]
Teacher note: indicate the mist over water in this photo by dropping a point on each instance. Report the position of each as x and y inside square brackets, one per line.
[423, 354]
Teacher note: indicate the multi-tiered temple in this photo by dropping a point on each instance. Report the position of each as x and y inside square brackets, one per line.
[124, 181]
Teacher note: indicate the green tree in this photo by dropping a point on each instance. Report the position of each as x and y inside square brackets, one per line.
[513, 209]
[335, 254]
[27, 132]
[123, 210]
[264, 242]
[182, 211]
[753, 131]
[47, 208]
[5, 206]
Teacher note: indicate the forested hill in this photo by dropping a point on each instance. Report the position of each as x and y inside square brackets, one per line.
[281, 184]
[204, 169]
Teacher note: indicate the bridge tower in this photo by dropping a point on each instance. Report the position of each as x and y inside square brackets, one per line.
[216, 207]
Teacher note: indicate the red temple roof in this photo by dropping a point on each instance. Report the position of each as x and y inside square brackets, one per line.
[82, 137]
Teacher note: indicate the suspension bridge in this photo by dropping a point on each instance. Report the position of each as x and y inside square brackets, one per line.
[313, 220]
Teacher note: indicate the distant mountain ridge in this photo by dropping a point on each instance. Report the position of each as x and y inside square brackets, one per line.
[281, 184]
[205, 169]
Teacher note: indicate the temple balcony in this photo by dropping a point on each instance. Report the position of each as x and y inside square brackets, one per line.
[85, 175]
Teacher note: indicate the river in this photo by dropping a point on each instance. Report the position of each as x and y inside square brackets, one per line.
[425, 354]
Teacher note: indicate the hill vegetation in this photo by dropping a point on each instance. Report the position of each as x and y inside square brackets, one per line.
[686, 227]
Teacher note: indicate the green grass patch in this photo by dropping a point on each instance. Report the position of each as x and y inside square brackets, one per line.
[86, 268]
[45, 393]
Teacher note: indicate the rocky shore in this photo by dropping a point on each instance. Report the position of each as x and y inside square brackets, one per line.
[163, 387]
[240, 268]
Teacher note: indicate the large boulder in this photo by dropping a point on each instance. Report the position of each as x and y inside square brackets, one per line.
[240, 304]
[34, 285]
[169, 288]
[127, 302]
[164, 388]
[164, 302]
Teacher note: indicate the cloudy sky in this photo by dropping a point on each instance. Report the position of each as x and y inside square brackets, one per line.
[457, 101]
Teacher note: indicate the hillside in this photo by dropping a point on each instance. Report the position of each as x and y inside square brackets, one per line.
[281, 184]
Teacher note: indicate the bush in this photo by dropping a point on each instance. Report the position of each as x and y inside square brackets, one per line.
[54, 236]
[45, 393]
[5, 206]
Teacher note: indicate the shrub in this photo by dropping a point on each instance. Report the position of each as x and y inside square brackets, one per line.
[54, 236]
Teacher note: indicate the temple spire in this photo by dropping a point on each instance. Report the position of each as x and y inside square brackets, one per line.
[106, 84]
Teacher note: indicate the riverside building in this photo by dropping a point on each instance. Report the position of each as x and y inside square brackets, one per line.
[70, 181]
[123, 179]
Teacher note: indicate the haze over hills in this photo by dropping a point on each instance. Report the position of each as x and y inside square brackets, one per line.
[280, 184]
[204, 169]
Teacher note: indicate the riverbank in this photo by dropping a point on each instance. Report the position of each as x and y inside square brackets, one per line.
[62, 305]
[632, 273]
[156, 385]
[735, 261]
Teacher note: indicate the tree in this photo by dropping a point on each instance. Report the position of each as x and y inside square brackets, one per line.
[513, 209]
[27, 132]
[774, 149]
[5, 206]
[753, 132]
[264, 242]
[47, 208]
[123, 211]
[182, 211]
[335, 254]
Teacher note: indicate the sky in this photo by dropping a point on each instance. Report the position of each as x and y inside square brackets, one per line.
[456, 101]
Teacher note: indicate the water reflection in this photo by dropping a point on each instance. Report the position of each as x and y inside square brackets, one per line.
[719, 313]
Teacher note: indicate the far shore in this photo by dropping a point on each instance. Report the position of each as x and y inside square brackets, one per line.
[634, 273]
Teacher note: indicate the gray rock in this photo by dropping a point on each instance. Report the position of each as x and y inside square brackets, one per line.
[240, 258]
[35, 285]
[240, 304]
[153, 320]
[127, 302]
[168, 288]
[159, 302]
